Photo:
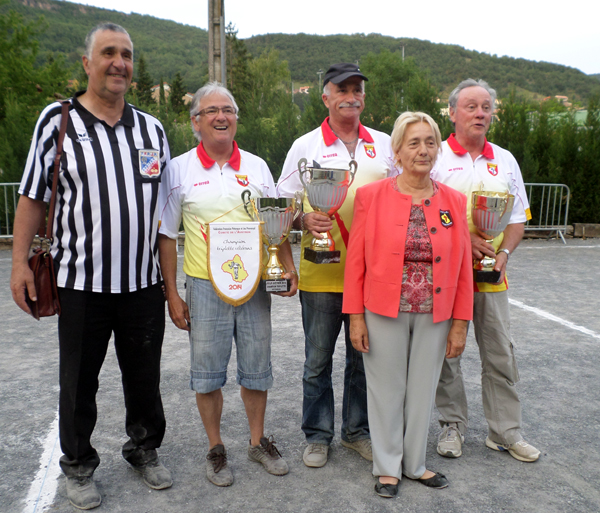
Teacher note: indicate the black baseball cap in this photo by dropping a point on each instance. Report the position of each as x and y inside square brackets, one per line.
[342, 71]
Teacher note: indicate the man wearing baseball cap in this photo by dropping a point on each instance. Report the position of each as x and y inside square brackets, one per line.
[340, 139]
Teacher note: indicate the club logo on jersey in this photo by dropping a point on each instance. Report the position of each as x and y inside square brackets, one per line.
[446, 218]
[243, 180]
[370, 151]
[84, 137]
[149, 163]
[493, 169]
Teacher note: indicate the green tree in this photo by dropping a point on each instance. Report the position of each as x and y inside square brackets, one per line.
[395, 86]
[25, 89]
[268, 120]
[314, 111]
[176, 95]
[143, 90]
[162, 100]
[238, 63]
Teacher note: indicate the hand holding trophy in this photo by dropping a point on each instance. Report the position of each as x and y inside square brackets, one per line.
[276, 216]
[490, 212]
[326, 190]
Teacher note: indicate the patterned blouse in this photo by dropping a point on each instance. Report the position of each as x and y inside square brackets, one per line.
[417, 275]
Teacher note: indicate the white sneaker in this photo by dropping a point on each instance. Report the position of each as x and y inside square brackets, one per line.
[315, 455]
[520, 450]
[450, 442]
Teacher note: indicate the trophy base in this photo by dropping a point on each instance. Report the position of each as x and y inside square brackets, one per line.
[486, 276]
[282, 285]
[322, 257]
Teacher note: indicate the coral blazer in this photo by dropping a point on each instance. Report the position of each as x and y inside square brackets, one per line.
[375, 259]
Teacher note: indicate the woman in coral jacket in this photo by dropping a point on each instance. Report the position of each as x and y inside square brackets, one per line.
[409, 292]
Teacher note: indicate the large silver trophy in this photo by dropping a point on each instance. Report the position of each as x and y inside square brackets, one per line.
[490, 212]
[276, 216]
[326, 190]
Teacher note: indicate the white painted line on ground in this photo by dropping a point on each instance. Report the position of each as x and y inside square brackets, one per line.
[43, 488]
[554, 318]
[557, 247]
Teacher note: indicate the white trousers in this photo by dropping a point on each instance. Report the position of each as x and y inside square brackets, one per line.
[403, 369]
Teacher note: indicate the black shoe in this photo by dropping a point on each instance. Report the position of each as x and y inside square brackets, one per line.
[436, 481]
[387, 491]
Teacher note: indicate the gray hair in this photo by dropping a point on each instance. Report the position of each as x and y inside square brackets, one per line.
[327, 90]
[90, 39]
[408, 118]
[206, 90]
[469, 82]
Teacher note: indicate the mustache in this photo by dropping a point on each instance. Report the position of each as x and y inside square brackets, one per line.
[350, 104]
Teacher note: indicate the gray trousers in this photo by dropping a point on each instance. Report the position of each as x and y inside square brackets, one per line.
[499, 374]
[402, 367]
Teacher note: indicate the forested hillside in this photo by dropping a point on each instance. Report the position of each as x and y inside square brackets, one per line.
[169, 47]
[447, 64]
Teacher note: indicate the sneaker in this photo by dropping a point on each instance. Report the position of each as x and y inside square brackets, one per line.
[82, 492]
[267, 454]
[450, 442]
[315, 455]
[362, 447]
[520, 450]
[155, 475]
[217, 471]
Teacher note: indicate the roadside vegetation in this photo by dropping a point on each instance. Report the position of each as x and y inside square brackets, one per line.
[548, 142]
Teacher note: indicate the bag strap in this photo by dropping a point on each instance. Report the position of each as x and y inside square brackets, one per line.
[59, 147]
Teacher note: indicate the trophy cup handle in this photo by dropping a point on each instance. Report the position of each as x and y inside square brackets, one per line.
[302, 164]
[298, 199]
[353, 167]
[247, 202]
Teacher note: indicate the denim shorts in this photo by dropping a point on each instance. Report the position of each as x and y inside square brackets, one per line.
[214, 324]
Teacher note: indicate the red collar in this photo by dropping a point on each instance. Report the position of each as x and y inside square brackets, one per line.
[234, 161]
[329, 137]
[488, 151]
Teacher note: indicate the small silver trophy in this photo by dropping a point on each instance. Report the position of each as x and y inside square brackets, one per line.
[276, 216]
[490, 212]
[326, 190]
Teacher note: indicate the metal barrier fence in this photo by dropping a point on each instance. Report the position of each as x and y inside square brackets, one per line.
[9, 197]
[549, 205]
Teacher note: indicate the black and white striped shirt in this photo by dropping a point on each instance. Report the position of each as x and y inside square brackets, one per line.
[106, 219]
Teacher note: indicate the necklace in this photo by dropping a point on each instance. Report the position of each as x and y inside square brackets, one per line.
[347, 143]
[350, 145]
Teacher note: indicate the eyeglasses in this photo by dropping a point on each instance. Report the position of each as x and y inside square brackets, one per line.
[213, 111]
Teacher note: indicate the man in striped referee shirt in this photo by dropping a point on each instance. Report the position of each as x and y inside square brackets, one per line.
[105, 252]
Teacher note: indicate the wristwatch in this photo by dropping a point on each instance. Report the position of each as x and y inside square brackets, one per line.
[504, 250]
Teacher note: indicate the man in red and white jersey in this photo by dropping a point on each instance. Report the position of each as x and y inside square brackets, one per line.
[469, 163]
[340, 139]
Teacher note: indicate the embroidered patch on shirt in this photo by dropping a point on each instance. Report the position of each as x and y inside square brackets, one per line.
[149, 163]
[243, 180]
[493, 169]
[370, 150]
[446, 218]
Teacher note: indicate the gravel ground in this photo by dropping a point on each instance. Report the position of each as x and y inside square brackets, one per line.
[559, 390]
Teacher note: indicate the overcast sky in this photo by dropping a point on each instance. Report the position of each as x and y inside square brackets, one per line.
[565, 33]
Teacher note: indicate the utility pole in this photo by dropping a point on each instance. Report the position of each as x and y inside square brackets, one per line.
[216, 41]
[320, 72]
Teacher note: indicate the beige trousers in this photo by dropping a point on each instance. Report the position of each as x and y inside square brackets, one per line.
[499, 373]
[402, 367]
